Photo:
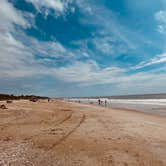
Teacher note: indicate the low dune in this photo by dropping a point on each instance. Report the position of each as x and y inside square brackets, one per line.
[60, 133]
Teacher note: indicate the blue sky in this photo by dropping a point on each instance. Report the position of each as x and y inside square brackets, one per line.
[82, 47]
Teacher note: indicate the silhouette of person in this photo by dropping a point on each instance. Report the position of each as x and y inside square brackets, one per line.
[99, 101]
[105, 103]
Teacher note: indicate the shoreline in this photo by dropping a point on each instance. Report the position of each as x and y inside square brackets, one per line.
[151, 109]
[125, 109]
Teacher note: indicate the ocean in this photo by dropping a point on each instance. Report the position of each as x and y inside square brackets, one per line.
[153, 104]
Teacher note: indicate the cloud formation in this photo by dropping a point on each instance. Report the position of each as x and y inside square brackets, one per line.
[44, 6]
[158, 59]
[10, 16]
[108, 52]
[161, 18]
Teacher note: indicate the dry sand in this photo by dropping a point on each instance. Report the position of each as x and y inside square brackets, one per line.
[71, 134]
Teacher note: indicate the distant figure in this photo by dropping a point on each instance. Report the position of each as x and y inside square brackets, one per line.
[3, 106]
[99, 101]
[9, 101]
[105, 103]
[33, 99]
[48, 99]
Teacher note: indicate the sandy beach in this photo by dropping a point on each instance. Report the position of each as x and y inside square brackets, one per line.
[61, 133]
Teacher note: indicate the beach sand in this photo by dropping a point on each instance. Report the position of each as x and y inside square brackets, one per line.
[61, 133]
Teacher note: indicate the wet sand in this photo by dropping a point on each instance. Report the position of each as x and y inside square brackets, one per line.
[63, 133]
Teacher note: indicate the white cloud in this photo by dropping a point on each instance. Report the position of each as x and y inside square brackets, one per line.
[9, 16]
[109, 45]
[18, 51]
[45, 48]
[160, 16]
[156, 60]
[59, 6]
[108, 24]
[152, 83]
[11, 50]
[18, 58]
[89, 73]
[86, 74]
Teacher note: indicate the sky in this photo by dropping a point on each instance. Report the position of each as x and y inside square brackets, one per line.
[64, 48]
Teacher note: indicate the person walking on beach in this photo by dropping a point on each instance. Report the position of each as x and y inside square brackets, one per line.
[105, 102]
[99, 101]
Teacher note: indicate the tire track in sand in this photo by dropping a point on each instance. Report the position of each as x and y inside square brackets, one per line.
[41, 132]
[29, 134]
[70, 132]
[56, 135]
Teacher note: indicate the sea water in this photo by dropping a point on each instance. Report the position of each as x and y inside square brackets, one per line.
[154, 106]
